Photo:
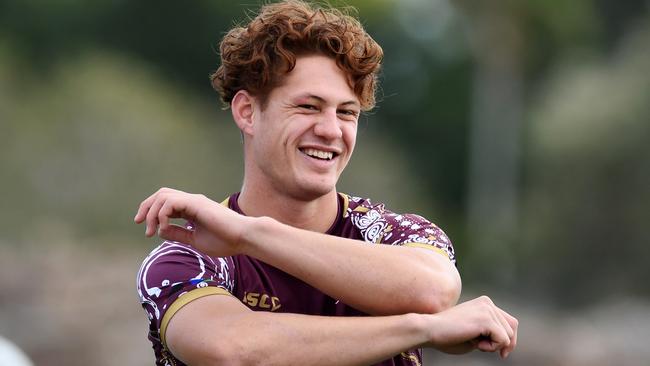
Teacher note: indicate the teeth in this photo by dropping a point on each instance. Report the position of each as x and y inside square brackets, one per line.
[319, 154]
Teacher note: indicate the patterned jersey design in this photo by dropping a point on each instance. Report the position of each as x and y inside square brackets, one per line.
[170, 272]
[379, 225]
[174, 274]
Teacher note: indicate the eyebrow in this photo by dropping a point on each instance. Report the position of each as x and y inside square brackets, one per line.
[322, 100]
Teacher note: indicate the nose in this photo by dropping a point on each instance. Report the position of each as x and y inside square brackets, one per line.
[328, 126]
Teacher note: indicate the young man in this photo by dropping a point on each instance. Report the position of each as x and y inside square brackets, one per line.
[289, 271]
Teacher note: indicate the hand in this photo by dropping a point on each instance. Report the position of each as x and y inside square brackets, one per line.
[214, 229]
[475, 324]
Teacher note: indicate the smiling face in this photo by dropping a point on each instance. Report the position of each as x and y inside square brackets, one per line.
[300, 141]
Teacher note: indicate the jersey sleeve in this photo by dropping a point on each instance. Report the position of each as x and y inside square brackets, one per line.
[376, 224]
[415, 231]
[175, 274]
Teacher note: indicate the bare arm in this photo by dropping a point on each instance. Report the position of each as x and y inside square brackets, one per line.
[219, 330]
[358, 274]
[224, 331]
[369, 277]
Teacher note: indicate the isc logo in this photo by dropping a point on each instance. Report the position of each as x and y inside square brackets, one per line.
[263, 301]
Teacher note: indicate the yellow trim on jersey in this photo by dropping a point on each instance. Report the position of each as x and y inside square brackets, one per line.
[185, 299]
[427, 246]
[226, 202]
[411, 357]
[346, 204]
[362, 209]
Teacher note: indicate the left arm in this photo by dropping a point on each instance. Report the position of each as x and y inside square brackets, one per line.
[376, 279]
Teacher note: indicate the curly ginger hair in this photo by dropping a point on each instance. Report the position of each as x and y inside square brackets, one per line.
[256, 57]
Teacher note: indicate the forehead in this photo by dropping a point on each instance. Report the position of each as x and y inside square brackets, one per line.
[316, 76]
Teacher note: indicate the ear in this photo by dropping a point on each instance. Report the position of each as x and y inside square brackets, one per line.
[242, 107]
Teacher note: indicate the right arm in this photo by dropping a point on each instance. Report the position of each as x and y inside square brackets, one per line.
[220, 330]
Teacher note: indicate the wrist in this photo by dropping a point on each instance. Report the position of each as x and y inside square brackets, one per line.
[421, 325]
[429, 327]
[256, 227]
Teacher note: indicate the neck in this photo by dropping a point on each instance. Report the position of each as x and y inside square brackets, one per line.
[316, 214]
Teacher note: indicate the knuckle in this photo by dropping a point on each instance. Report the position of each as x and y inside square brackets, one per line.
[484, 299]
[166, 191]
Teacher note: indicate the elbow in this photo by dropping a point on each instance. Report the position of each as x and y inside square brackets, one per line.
[216, 356]
[233, 353]
[218, 353]
[443, 296]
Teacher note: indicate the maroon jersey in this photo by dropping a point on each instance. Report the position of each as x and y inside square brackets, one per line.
[174, 273]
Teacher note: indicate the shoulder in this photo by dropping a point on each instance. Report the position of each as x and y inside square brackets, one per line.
[180, 261]
[174, 268]
[371, 219]
[378, 224]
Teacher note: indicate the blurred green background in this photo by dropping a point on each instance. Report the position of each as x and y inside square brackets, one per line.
[519, 127]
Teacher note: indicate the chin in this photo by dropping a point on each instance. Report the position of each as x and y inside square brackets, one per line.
[311, 191]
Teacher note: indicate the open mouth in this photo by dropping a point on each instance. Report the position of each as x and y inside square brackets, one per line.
[319, 154]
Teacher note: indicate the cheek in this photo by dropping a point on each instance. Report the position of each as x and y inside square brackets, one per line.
[296, 130]
[350, 136]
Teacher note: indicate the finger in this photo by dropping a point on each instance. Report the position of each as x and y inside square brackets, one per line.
[152, 216]
[501, 316]
[487, 344]
[178, 233]
[514, 323]
[171, 208]
[498, 333]
[145, 205]
[507, 326]
[143, 209]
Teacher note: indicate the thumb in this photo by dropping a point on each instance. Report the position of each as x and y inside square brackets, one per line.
[178, 233]
[486, 344]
